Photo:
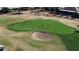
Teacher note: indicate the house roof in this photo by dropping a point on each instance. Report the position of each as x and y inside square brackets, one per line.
[69, 9]
[0, 8]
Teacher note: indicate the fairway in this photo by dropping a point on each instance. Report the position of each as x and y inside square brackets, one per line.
[23, 40]
[68, 35]
[16, 34]
[41, 25]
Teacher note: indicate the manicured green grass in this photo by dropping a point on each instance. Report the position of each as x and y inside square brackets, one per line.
[68, 35]
[48, 26]
[71, 41]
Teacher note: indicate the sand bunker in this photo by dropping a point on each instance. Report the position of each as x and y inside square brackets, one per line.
[42, 36]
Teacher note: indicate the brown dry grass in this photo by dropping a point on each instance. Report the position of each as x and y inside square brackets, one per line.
[23, 40]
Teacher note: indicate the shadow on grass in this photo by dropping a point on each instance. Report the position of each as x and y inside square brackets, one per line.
[71, 41]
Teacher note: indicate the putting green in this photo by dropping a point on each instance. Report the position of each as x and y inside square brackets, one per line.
[42, 25]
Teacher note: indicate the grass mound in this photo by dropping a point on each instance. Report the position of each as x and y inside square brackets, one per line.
[41, 25]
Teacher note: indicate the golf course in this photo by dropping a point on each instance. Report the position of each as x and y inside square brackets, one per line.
[17, 35]
[42, 25]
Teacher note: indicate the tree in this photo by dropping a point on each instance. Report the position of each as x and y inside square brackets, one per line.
[23, 8]
[5, 10]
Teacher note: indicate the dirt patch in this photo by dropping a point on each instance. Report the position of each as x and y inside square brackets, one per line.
[42, 36]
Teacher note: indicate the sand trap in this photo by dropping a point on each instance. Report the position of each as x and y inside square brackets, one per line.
[42, 36]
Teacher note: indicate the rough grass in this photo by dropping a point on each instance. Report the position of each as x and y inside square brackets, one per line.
[71, 41]
[68, 35]
[6, 43]
[48, 26]
[9, 20]
[22, 40]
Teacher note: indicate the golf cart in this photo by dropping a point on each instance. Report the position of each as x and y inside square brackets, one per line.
[1, 48]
